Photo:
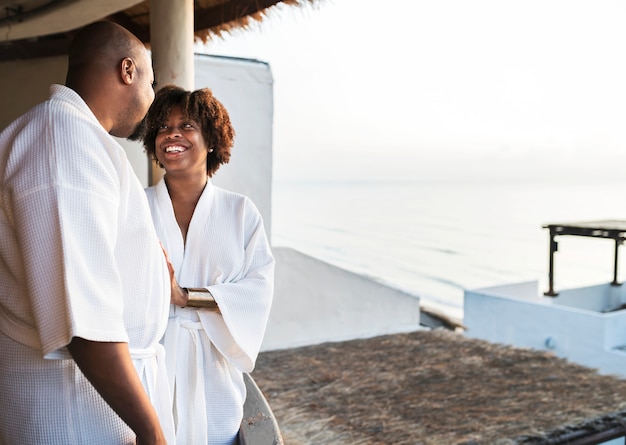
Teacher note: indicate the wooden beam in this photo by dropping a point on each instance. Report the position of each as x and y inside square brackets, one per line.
[48, 46]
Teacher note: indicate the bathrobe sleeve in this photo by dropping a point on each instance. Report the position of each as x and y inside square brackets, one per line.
[65, 214]
[245, 300]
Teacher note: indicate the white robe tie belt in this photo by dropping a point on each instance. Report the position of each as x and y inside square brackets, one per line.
[150, 364]
[187, 331]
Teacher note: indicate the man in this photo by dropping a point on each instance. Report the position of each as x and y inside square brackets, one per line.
[84, 285]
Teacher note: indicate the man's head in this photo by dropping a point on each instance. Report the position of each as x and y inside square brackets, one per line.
[110, 69]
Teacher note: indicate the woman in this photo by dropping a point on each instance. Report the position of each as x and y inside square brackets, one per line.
[217, 246]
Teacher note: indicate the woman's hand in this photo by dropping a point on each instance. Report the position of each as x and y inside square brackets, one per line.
[178, 295]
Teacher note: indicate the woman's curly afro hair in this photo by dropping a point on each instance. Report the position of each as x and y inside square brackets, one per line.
[200, 106]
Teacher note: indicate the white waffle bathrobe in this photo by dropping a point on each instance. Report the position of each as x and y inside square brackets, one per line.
[227, 252]
[78, 257]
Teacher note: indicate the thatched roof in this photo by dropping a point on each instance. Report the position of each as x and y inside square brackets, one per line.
[30, 27]
[436, 388]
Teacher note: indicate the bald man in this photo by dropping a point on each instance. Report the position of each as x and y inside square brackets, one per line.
[84, 285]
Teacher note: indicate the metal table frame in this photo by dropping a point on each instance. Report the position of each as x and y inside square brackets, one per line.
[608, 229]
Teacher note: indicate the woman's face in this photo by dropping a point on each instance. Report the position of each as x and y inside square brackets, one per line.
[180, 145]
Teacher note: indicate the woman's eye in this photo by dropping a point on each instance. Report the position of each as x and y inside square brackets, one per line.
[187, 126]
[162, 127]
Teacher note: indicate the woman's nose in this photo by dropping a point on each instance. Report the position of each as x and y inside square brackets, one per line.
[172, 133]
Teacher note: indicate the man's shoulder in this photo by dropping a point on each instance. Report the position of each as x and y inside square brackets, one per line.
[24, 119]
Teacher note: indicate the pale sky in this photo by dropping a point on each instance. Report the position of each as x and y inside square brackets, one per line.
[442, 89]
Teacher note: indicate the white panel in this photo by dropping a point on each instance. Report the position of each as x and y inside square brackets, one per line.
[245, 87]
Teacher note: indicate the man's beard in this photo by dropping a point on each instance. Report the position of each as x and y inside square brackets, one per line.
[140, 130]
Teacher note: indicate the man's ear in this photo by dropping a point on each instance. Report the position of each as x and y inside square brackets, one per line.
[128, 70]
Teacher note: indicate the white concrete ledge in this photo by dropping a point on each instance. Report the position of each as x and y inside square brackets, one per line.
[316, 302]
[583, 325]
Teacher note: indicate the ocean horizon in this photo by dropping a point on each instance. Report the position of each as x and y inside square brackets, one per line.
[435, 239]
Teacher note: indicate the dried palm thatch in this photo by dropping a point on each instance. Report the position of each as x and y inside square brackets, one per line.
[244, 22]
[212, 18]
[434, 388]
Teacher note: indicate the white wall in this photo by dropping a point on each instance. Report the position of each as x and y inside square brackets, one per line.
[315, 302]
[518, 315]
[243, 86]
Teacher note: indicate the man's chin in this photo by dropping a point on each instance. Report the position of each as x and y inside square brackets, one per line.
[139, 132]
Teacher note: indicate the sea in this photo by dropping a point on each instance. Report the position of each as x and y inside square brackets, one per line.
[434, 240]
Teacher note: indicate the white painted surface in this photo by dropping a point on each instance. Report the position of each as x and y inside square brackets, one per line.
[572, 325]
[245, 87]
[315, 302]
